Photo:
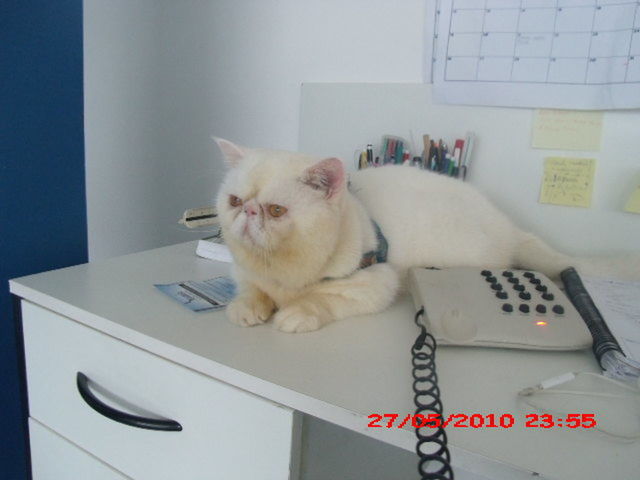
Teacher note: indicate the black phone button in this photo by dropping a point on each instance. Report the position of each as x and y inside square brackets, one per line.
[559, 309]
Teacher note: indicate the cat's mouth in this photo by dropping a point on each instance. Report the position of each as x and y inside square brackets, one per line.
[246, 233]
[249, 231]
[250, 235]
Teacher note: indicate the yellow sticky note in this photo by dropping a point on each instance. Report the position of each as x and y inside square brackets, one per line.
[568, 181]
[633, 205]
[567, 130]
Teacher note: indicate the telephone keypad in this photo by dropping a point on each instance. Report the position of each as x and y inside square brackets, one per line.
[525, 308]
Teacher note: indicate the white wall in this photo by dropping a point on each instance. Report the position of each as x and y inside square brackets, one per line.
[121, 124]
[161, 76]
[504, 166]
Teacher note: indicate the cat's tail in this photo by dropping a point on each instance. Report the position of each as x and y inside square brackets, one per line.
[533, 253]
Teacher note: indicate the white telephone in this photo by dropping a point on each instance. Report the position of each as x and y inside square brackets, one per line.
[497, 308]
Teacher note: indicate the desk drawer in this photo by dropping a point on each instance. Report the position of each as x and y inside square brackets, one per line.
[226, 433]
[54, 458]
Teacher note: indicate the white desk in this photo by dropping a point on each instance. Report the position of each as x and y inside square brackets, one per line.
[341, 373]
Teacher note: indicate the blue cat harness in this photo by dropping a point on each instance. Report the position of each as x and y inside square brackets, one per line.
[379, 255]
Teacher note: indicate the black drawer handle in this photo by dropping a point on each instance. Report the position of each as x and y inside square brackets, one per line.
[122, 417]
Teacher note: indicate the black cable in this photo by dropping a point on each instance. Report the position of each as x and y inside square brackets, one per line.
[435, 459]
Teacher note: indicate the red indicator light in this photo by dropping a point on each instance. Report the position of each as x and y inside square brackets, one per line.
[541, 323]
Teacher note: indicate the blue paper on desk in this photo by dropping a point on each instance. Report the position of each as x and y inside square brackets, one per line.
[201, 296]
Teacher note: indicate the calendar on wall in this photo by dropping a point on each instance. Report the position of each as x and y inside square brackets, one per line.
[582, 54]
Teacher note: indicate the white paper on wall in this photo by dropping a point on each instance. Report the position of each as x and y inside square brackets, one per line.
[577, 54]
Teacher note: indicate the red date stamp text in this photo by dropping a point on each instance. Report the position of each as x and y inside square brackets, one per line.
[477, 420]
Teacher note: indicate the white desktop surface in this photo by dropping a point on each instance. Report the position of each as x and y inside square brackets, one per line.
[341, 373]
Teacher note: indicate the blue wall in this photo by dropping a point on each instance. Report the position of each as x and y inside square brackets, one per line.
[42, 186]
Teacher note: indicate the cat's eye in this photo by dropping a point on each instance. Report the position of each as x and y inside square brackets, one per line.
[234, 201]
[277, 210]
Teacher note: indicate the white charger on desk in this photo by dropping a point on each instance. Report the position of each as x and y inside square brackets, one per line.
[211, 247]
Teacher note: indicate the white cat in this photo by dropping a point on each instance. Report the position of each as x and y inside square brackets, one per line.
[304, 241]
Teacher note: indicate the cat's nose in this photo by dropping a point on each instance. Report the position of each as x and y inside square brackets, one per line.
[250, 209]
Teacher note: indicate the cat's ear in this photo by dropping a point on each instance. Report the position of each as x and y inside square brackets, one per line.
[233, 153]
[327, 176]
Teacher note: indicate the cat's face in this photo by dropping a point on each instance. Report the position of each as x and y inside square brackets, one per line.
[272, 202]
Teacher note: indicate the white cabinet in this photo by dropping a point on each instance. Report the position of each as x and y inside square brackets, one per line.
[225, 432]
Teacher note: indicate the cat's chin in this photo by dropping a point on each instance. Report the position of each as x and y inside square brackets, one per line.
[247, 242]
[250, 241]
[246, 238]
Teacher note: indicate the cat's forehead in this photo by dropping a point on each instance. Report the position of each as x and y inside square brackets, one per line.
[270, 172]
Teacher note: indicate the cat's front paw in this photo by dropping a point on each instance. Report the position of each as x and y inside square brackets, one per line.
[250, 311]
[295, 319]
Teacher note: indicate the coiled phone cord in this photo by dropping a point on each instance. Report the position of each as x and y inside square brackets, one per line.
[434, 463]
